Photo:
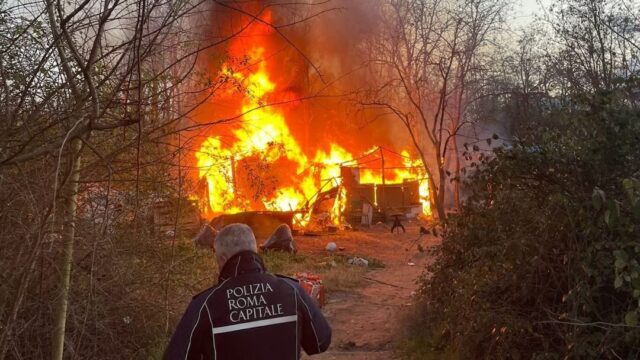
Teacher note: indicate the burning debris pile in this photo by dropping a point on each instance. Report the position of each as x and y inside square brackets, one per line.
[259, 163]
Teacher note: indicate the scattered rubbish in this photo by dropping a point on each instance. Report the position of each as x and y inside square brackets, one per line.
[331, 247]
[424, 231]
[358, 261]
[375, 263]
[331, 263]
[312, 285]
[411, 264]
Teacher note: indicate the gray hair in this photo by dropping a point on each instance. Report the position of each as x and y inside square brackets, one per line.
[233, 239]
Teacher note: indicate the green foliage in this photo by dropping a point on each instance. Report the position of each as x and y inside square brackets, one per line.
[542, 261]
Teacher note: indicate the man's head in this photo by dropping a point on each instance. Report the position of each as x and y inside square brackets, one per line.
[232, 239]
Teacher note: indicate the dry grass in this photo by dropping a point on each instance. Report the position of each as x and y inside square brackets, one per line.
[335, 272]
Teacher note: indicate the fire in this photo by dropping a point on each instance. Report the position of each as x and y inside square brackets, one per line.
[263, 136]
[214, 165]
[411, 170]
[339, 206]
[262, 166]
[330, 163]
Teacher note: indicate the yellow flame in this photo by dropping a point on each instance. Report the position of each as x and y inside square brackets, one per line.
[264, 126]
[214, 165]
[339, 205]
[413, 169]
[331, 163]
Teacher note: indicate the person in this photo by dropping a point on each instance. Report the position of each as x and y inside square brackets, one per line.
[250, 314]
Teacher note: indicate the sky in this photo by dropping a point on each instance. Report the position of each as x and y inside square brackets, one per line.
[524, 11]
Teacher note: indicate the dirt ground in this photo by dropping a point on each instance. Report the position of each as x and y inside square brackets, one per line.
[366, 320]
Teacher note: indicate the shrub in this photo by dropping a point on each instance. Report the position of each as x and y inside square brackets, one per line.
[542, 260]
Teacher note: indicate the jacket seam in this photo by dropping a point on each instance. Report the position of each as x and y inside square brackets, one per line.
[237, 265]
[213, 336]
[311, 321]
[186, 356]
[297, 345]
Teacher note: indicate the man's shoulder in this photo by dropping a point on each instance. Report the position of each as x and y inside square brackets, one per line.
[202, 295]
[268, 276]
[287, 278]
[293, 282]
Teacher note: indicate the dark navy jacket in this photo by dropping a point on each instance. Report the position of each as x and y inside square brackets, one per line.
[249, 315]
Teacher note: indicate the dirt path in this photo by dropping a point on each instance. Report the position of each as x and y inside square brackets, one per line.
[366, 320]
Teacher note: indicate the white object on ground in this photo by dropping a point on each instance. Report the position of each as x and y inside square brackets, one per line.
[358, 261]
[331, 247]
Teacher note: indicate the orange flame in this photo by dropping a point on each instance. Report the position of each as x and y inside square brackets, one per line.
[277, 174]
[412, 170]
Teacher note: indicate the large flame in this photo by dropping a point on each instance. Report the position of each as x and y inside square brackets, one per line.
[277, 173]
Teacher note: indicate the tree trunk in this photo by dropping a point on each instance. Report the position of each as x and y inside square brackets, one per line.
[69, 198]
[456, 183]
[434, 198]
[441, 192]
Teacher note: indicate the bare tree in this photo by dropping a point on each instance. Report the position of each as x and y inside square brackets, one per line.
[594, 47]
[424, 57]
[97, 97]
[93, 69]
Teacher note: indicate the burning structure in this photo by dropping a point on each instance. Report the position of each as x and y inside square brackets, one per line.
[268, 159]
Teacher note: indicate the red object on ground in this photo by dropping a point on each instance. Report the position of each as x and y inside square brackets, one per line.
[312, 284]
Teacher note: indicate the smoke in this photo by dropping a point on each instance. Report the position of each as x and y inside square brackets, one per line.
[317, 56]
[284, 99]
[336, 43]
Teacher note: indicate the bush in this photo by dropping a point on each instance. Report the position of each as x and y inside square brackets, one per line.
[542, 261]
[129, 286]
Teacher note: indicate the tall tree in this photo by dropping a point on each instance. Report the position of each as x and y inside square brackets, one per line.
[72, 74]
[97, 97]
[424, 58]
[596, 44]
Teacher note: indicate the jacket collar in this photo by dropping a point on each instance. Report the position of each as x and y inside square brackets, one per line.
[244, 262]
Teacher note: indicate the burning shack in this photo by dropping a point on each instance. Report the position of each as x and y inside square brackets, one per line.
[375, 192]
[363, 191]
[312, 165]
